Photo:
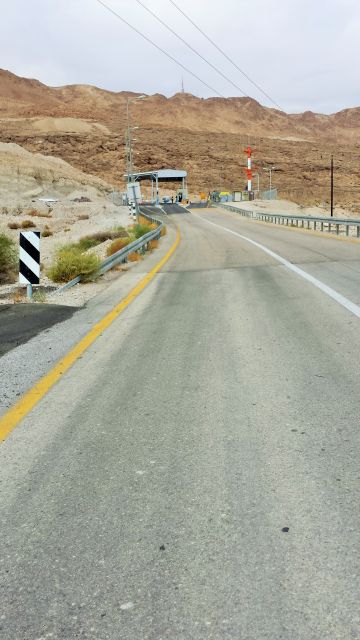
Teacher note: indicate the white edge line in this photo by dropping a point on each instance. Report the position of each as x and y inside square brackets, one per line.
[338, 297]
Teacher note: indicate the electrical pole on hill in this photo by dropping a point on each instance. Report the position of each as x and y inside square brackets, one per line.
[129, 151]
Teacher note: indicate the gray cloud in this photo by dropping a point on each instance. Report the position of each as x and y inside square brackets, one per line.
[303, 53]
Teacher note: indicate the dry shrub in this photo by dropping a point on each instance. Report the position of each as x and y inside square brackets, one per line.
[163, 231]
[154, 243]
[70, 262]
[90, 241]
[116, 245]
[34, 213]
[83, 216]
[14, 225]
[8, 259]
[27, 224]
[18, 295]
[134, 257]
[46, 232]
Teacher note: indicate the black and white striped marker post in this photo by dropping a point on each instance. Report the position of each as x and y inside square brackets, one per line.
[29, 263]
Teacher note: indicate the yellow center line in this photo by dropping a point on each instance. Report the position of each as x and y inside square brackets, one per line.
[17, 412]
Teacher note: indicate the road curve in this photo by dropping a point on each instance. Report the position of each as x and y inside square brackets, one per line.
[195, 475]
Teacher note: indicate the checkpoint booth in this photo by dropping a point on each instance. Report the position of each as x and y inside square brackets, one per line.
[163, 176]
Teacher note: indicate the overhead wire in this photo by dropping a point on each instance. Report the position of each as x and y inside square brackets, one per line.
[224, 54]
[152, 13]
[117, 15]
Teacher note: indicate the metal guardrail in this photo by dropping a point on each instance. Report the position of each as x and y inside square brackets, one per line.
[121, 255]
[241, 212]
[305, 222]
[317, 224]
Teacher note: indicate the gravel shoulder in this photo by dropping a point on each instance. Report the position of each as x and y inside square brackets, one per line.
[23, 365]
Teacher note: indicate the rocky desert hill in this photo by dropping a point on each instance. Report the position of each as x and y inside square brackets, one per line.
[25, 175]
[85, 126]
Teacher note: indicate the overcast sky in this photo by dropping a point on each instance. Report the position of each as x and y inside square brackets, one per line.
[304, 53]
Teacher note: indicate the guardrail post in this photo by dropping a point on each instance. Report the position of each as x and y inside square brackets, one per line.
[358, 231]
[337, 229]
[322, 226]
[314, 225]
[347, 229]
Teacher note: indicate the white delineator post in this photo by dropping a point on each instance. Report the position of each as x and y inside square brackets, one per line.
[29, 259]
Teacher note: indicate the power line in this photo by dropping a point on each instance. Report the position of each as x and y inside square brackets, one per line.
[152, 13]
[224, 54]
[117, 15]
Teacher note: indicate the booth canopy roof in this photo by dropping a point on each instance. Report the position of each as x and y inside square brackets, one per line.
[162, 174]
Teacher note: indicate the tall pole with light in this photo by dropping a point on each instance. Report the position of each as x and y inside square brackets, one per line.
[129, 151]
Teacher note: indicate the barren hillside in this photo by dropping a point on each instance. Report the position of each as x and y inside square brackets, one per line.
[85, 126]
[24, 175]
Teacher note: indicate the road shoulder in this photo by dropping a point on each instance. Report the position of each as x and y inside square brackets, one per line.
[24, 365]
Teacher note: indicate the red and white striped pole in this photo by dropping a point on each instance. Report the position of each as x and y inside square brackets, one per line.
[249, 167]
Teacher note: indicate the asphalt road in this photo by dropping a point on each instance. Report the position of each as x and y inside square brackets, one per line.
[21, 322]
[195, 475]
[173, 208]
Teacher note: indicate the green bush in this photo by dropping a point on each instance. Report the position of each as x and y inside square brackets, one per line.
[140, 230]
[70, 262]
[88, 242]
[8, 259]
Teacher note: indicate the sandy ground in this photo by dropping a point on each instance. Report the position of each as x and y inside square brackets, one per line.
[67, 223]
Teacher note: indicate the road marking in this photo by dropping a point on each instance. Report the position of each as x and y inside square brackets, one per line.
[335, 295]
[13, 416]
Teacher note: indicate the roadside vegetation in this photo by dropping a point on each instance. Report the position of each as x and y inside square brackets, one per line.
[8, 259]
[117, 245]
[70, 262]
[76, 259]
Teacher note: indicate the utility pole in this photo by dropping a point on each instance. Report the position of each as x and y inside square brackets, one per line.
[129, 151]
[332, 187]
